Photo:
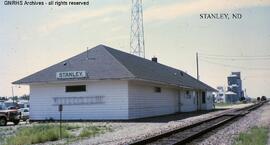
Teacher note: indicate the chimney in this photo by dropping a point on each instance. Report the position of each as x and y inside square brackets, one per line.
[154, 59]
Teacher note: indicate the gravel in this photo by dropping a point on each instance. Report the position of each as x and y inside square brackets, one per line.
[225, 136]
[125, 133]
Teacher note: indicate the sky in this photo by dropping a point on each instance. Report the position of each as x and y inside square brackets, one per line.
[35, 37]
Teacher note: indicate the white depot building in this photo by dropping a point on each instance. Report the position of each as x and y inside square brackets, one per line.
[107, 84]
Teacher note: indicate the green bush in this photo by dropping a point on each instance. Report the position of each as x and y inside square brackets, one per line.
[255, 136]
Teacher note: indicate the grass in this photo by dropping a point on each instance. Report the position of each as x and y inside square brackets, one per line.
[255, 136]
[93, 130]
[223, 104]
[41, 133]
[37, 134]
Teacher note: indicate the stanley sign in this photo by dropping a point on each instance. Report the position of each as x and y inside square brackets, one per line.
[71, 75]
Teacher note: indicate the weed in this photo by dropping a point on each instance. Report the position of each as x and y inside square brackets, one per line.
[255, 136]
[37, 134]
[93, 130]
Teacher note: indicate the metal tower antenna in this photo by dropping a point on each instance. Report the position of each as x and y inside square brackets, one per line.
[137, 31]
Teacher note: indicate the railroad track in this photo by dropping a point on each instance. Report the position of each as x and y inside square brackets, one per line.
[187, 134]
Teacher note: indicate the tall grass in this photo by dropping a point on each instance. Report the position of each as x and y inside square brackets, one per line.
[37, 134]
[41, 133]
[93, 130]
[255, 136]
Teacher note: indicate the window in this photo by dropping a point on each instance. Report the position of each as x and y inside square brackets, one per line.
[203, 97]
[2, 106]
[188, 95]
[78, 88]
[157, 89]
[21, 105]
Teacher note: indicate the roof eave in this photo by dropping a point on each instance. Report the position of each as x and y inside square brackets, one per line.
[66, 81]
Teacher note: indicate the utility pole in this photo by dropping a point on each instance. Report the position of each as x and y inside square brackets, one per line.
[137, 31]
[12, 94]
[197, 63]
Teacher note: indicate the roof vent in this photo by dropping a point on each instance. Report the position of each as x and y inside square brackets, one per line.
[154, 59]
[65, 63]
[182, 74]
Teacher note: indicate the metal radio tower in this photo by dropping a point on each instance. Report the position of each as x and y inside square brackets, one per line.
[137, 32]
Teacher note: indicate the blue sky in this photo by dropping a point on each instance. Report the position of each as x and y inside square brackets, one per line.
[35, 37]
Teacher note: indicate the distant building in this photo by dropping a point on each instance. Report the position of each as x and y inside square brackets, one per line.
[234, 90]
[230, 97]
[220, 95]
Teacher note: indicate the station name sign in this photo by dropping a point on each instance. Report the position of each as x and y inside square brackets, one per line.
[70, 75]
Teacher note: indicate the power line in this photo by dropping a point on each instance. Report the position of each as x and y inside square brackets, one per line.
[235, 66]
[236, 59]
[236, 56]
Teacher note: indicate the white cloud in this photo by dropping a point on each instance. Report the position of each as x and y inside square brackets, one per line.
[172, 11]
[78, 16]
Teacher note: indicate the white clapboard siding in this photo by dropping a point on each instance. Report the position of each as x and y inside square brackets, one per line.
[115, 104]
[122, 100]
[145, 102]
[188, 103]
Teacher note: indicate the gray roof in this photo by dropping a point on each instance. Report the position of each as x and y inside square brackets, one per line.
[102, 62]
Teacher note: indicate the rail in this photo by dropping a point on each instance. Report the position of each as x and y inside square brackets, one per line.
[188, 133]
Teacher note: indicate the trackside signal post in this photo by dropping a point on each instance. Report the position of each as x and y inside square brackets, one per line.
[60, 109]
